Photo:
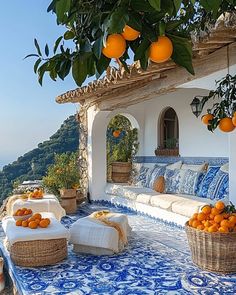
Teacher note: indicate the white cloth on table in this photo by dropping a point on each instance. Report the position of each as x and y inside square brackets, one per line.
[93, 233]
[14, 233]
[49, 203]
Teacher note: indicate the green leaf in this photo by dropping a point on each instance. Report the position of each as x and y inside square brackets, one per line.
[118, 20]
[37, 47]
[162, 28]
[141, 5]
[211, 6]
[79, 69]
[177, 4]
[57, 44]
[46, 50]
[38, 61]
[182, 54]
[141, 50]
[62, 6]
[135, 21]
[144, 60]
[69, 35]
[102, 65]
[91, 65]
[167, 6]
[171, 25]
[97, 47]
[155, 4]
[31, 55]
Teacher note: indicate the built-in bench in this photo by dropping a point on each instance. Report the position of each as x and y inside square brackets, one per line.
[175, 206]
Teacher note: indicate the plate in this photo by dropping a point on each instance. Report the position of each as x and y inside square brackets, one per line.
[23, 217]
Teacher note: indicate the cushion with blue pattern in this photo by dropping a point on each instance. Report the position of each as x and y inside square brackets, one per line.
[173, 179]
[155, 173]
[141, 178]
[219, 187]
[190, 182]
[207, 180]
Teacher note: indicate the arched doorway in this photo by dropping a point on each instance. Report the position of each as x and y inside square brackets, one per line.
[122, 145]
[168, 130]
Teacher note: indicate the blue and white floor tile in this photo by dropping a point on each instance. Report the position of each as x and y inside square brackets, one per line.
[157, 261]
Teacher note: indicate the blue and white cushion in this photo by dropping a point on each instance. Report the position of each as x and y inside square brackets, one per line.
[173, 179]
[190, 182]
[156, 172]
[208, 178]
[219, 187]
[141, 179]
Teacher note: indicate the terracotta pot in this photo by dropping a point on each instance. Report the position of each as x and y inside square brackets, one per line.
[121, 171]
[68, 200]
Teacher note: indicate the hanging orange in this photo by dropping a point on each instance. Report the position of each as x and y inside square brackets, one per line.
[206, 118]
[234, 120]
[226, 125]
[116, 133]
[161, 50]
[129, 33]
[115, 46]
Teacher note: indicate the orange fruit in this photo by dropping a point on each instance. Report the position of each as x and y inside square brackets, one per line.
[48, 220]
[223, 229]
[31, 219]
[37, 216]
[206, 228]
[226, 125]
[206, 118]
[200, 227]
[19, 222]
[37, 221]
[24, 223]
[129, 33]
[206, 209]
[211, 216]
[115, 46]
[226, 215]
[212, 229]
[234, 120]
[207, 223]
[190, 222]
[116, 133]
[33, 224]
[201, 216]
[215, 211]
[232, 219]
[225, 223]
[43, 223]
[161, 50]
[218, 218]
[20, 213]
[195, 215]
[220, 205]
[196, 223]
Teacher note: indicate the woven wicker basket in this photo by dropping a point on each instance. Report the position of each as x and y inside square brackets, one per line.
[212, 251]
[38, 253]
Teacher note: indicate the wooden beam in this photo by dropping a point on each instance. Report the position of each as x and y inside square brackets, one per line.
[173, 78]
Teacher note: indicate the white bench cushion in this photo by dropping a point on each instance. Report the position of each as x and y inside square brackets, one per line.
[187, 207]
[163, 201]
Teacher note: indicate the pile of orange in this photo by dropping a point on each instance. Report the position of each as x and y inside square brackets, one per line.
[34, 222]
[159, 51]
[23, 212]
[36, 194]
[214, 219]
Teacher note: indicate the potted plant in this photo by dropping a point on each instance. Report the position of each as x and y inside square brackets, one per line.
[122, 146]
[62, 180]
[170, 148]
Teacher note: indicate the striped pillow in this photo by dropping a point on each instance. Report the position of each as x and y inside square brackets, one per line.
[219, 187]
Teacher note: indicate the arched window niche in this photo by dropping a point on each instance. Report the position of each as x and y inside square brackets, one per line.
[168, 133]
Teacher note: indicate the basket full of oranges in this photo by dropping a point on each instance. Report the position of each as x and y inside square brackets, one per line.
[35, 221]
[211, 236]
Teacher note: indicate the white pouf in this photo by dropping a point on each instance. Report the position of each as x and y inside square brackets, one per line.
[92, 236]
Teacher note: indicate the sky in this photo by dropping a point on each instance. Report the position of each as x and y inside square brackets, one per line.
[28, 112]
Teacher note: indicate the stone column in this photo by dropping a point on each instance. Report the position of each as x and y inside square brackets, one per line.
[83, 150]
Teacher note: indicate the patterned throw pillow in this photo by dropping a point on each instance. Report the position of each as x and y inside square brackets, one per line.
[173, 179]
[154, 174]
[208, 178]
[141, 179]
[190, 182]
[219, 187]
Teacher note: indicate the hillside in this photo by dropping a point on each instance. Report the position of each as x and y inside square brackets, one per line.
[34, 163]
